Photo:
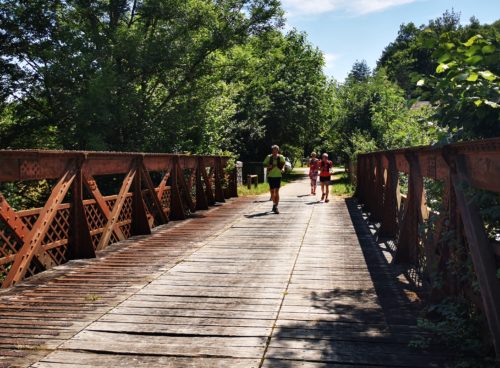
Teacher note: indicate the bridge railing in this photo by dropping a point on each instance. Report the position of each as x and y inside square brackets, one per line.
[143, 190]
[457, 225]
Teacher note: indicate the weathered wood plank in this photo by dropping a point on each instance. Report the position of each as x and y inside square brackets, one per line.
[216, 291]
[60, 359]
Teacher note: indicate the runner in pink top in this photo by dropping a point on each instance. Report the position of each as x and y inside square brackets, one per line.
[313, 172]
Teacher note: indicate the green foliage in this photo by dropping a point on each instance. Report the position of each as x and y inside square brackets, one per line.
[158, 76]
[294, 153]
[283, 94]
[454, 67]
[456, 325]
[360, 142]
[26, 194]
[371, 113]
[121, 75]
[408, 56]
[466, 84]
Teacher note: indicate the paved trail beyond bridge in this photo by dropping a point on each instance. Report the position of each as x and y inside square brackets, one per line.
[234, 287]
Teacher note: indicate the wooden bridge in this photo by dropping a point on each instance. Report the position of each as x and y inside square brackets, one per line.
[230, 286]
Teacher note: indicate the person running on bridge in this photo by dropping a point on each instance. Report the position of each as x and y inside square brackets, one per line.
[325, 166]
[313, 172]
[275, 164]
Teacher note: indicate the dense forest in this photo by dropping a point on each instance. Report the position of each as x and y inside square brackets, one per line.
[222, 76]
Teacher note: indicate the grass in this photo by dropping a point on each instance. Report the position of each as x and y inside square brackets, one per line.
[261, 188]
[264, 187]
[341, 185]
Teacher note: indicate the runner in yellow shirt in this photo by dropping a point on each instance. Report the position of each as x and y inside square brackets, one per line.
[275, 164]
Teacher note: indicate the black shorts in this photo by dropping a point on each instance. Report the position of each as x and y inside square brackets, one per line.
[274, 183]
[324, 179]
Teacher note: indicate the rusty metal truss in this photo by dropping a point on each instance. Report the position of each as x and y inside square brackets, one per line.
[77, 219]
[458, 166]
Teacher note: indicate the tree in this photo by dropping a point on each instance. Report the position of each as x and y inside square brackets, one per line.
[406, 56]
[373, 114]
[281, 94]
[360, 72]
[114, 75]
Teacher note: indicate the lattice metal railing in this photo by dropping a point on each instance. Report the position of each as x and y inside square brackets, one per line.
[458, 169]
[77, 219]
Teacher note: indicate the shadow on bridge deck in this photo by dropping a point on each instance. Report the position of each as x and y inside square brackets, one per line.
[362, 324]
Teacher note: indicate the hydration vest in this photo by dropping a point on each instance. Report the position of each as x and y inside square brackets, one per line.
[279, 165]
[325, 167]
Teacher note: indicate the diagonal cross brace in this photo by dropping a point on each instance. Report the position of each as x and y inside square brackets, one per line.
[110, 226]
[17, 226]
[33, 241]
[91, 185]
[206, 179]
[186, 189]
[160, 217]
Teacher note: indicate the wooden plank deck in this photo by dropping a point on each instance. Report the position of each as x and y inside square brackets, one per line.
[234, 287]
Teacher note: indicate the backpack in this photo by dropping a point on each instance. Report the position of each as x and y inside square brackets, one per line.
[280, 163]
[325, 168]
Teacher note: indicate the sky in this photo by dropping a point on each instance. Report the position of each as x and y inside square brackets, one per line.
[350, 30]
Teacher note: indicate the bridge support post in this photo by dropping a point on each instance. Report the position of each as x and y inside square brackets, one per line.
[186, 190]
[448, 221]
[201, 198]
[362, 179]
[218, 172]
[208, 184]
[177, 211]
[392, 200]
[140, 223]
[415, 214]
[378, 196]
[371, 182]
[80, 242]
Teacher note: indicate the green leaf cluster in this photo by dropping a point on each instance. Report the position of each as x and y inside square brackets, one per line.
[371, 113]
[454, 67]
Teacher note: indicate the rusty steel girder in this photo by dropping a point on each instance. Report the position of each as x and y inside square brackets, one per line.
[70, 225]
[474, 164]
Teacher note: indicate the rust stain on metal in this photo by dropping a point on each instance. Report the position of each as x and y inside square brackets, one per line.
[468, 164]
